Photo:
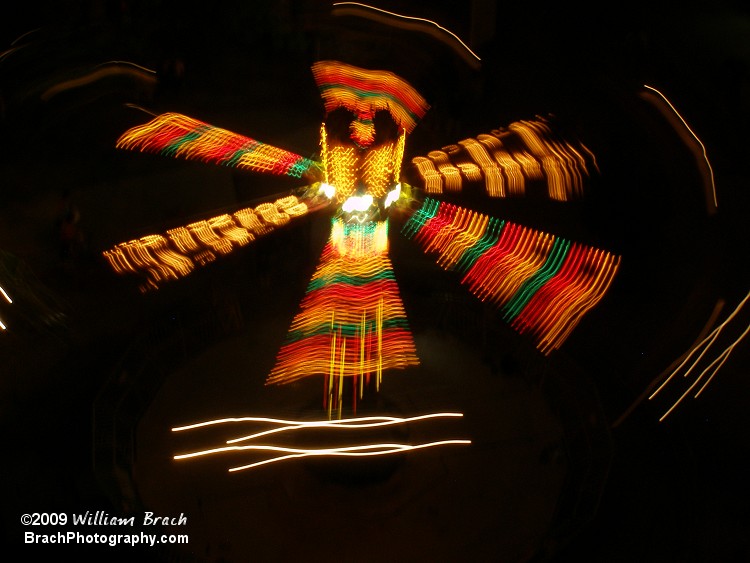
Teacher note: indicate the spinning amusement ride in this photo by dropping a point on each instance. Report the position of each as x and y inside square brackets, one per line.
[351, 327]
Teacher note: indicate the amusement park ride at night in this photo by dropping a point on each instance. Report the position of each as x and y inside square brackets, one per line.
[351, 326]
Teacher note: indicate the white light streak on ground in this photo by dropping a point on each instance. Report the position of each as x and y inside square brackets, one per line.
[360, 450]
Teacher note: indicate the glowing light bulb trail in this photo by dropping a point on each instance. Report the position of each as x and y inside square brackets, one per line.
[508, 161]
[365, 92]
[180, 136]
[691, 139]
[411, 22]
[159, 258]
[288, 427]
[352, 324]
[543, 284]
[693, 358]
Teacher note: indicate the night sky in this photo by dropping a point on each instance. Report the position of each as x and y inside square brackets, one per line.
[635, 489]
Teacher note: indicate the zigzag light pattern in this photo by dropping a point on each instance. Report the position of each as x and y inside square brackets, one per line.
[365, 92]
[542, 284]
[180, 136]
[176, 253]
[508, 161]
[352, 324]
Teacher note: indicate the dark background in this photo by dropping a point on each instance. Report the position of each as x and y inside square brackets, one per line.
[675, 491]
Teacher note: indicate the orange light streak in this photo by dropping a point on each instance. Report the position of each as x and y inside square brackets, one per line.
[507, 160]
[162, 258]
[365, 92]
[379, 169]
[450, 174]
[179, 136]
[433, 180]
[541, 293]
[700, 154]
[342, 167]
[493, 178]
[351, 323]
[516, 184]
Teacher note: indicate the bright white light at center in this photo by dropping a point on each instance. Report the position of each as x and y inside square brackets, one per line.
[357, 203]
[393, 195]
[327, 189]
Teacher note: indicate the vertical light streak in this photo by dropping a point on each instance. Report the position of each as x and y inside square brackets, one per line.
[324, 152]
[342, 363]
[450, 174]
[493, 177]
[398, 156]
[380, 343]
[354, 290]
[362, 337]
[432, 179]
[516, 184]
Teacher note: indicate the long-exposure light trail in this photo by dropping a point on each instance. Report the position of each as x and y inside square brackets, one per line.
[703, 154]
[284, 425]
[702, 348]
[5, 295]
[354, 451]
[3, 326]
[410, 19]
[359, 422]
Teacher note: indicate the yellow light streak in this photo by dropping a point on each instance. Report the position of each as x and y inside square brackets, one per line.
[176, 255]
[712, 184]
[398, 156]
[450, 173]
[5, 294]
[505, 160]
[493, 178]
[433, 180]
[378, 168]
[702, 348]
[341, 170]
[412, 19]
[513, 171]
[324, 153]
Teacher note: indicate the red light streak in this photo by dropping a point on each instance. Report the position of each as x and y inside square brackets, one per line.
[519, 272]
